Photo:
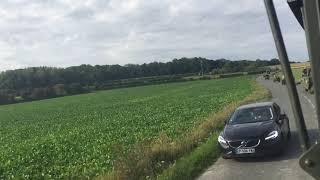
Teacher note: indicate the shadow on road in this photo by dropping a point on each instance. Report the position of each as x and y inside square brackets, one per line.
[292, 151]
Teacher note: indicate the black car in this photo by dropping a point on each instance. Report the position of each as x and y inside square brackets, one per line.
[255, 130]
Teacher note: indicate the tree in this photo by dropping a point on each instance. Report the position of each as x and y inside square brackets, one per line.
[44, 82]
[59, 90]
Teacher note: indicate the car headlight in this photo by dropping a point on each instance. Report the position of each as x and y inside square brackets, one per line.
[272, 135]
[223, 142]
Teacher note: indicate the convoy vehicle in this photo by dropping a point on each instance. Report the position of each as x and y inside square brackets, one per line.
[255, 130]
[283, 80]
[279, 77]
[307, 80]
[276, 77]
[266, 75]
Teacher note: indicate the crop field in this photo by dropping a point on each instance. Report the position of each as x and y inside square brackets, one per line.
[81, 136]
[297, 73]
[297, 70]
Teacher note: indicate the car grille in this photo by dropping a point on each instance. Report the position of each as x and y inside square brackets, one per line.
[246, 143]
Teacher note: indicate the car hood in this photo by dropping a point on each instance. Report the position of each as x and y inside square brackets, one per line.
[248, 130]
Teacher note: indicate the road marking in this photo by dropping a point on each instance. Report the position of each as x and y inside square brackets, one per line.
[313, 106]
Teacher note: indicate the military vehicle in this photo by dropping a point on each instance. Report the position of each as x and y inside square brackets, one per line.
[279, 77]
[276, 77]
[283, 80]
[266, 75]
[307, 80]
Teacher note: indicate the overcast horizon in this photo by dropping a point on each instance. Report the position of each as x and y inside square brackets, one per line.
[64, 33]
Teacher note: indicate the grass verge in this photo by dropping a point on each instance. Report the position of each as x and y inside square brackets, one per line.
[188, 167]
[195, 151]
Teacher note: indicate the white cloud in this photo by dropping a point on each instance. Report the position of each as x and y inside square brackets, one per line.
[73, 32]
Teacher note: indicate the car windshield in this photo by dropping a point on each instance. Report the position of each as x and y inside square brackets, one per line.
[251, 115]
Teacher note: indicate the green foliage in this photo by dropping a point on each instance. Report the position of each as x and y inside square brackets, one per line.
[297, 73]
[191, 165]
[36, 83]
[232, 75]
[80, 136]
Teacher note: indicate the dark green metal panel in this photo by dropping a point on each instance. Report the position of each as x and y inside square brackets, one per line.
[310, 161]
[312, 30]
[307, 13]
[295, 6]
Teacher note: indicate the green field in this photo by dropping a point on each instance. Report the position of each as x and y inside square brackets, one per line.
[297, 70]
[82, 135]
[297, 73]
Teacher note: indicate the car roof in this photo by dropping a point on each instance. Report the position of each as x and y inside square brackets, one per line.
[260, 104]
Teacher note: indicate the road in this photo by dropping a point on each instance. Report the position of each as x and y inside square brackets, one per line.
[282, 167]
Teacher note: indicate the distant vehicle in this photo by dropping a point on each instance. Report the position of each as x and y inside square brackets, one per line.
[279, 77]
[266, 75]
[307, 80]
[255, 130]
[283, 80]
[276, 77]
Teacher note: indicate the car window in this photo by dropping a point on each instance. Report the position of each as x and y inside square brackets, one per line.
[250, 115]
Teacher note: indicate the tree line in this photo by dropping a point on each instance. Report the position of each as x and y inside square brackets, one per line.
[35, 83]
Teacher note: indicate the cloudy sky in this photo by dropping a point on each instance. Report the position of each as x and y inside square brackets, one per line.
[72, 32]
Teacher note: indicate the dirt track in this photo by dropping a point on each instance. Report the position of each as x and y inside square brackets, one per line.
[282, 167]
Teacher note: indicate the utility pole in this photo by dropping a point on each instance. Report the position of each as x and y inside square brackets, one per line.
[201, 62]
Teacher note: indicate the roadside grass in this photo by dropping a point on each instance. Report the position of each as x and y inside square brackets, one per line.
[297, 70]
[184, 158]
[297, 73]
[191, 165]
[300, 65]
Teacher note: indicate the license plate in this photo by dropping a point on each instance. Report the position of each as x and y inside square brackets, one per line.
[245, 151]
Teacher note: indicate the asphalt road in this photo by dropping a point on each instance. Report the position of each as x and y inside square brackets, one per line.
[282, 167]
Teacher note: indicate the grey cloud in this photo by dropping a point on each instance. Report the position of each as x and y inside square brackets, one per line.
[73, 32]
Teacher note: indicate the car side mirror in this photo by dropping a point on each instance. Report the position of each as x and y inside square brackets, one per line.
[281, 119]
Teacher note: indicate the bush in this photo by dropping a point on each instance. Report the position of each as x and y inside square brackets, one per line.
[59, 90]
[231, 75]
[39, 93]
[74, 88]
[6, 98]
